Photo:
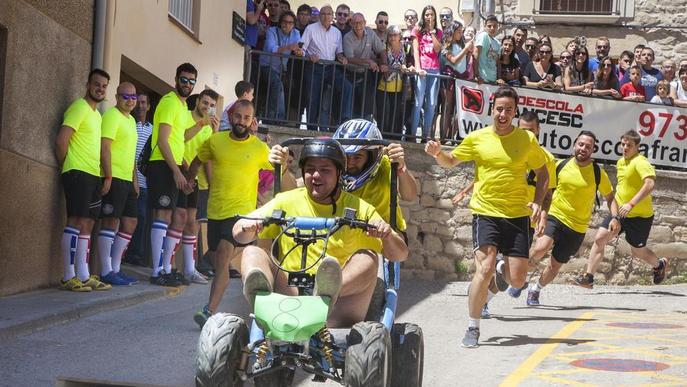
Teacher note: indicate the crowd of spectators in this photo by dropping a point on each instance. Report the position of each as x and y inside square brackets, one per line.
[333, 66]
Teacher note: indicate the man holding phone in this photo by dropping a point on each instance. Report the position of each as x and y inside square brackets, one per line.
[184, 227]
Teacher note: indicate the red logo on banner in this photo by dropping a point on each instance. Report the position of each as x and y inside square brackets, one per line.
[473, 100]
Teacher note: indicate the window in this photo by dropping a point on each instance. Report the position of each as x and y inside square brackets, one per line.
[185, 13]
[577, 7]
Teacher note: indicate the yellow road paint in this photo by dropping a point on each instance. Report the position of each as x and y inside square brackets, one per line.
[526, 368]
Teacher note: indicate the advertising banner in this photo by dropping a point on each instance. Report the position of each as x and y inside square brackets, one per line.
[562, 116]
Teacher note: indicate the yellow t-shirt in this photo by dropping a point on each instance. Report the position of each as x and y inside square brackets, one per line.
[173, 112]
[83, 152]
[551, 168]
[202, 179]
[342, 244]
[122, 131]
[376, 192]
[501, 163]
[191, 146]
[631, 175]
[235, 167]
[574, 197]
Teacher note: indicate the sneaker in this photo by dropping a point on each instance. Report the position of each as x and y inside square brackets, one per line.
[533, 297]
[471, 338]
[500, 280]
[202, 316]
[516, 292]
[233, 273]
[94, 283]
[584, 280]
[74, 285]
[113, 278]
[196, 278]
[328, 280]
[204, 266]
[180, 278]
[485, 311]
[660, 271]
[164, 279]
[132, 280]
[255, 281]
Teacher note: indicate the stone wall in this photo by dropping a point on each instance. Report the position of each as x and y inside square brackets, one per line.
[660, 24]
[440, 233]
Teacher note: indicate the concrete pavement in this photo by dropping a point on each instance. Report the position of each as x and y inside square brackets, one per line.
[605, 336]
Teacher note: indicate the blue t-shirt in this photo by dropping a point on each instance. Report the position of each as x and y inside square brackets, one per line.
[649, 80]
[251, 29]
[488, 56]
[593, 65]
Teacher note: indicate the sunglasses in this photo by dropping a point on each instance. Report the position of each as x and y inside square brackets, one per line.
[445, 16]
[128, 97]
[342, 14]
[545, 52]
[382, 22]
[530, 46]
[410, 17]
[602, 47]
[604, 65]
[184, 80]
[566, 57]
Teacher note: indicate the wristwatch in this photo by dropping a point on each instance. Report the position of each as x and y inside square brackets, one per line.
[616, 217]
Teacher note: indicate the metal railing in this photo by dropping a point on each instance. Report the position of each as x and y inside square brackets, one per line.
[295, 92]
[577, 7]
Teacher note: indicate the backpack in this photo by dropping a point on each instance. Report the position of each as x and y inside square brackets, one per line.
[144, 157]
[559, 168]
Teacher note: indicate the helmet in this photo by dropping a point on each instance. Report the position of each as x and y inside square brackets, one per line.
[360, 129]
[324, 147]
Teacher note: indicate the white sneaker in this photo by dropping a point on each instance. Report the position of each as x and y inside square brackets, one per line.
[197, 278]
[255, 281]
[328, 279]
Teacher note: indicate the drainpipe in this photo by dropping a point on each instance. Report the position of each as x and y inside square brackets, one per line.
[490, 6]
[98, 50]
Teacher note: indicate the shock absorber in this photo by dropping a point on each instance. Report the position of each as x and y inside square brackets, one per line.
[262, 353]
[326, 338]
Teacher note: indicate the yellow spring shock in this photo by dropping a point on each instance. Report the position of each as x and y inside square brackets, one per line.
[262, 352]
[326, 338]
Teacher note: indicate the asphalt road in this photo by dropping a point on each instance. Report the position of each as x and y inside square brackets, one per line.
[624, 329]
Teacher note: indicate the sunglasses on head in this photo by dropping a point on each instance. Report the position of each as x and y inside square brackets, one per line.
[185, 80]
[129, 97]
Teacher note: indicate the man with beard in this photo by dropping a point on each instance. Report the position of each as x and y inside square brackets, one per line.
[342, 19]
[350, 289]
[120, 188]
[237, 156]
[77, 149]
[503, 154]
[577, 181]
[631, 213]
[201, 124]
[164, 171]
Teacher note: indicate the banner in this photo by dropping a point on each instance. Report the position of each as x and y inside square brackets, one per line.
[562, 116]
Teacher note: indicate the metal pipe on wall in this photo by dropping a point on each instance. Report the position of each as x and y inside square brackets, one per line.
[98, 49]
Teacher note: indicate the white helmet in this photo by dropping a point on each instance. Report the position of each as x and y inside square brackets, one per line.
[360, 129]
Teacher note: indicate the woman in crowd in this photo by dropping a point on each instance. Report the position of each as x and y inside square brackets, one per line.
[542, 72]
[390, 88]
[572, 46]
[624, 63]
[508, 65]
[605, 80]
[564, 59]
[577, 78]
[456, 61]
[679, 90]
[426, 47]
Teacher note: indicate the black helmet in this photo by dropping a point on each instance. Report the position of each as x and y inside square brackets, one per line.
[324, 147]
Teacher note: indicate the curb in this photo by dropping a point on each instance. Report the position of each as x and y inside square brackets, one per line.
[80, 312]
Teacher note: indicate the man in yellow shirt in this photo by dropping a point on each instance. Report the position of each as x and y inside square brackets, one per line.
[77, 149]
[164, 171]
[631, 212]
[184, 227]
[120, 186]
[322, 162]
[501, 208]
[236, 157]
[571, 209]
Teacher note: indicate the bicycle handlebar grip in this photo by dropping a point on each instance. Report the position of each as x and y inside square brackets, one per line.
[314, 223]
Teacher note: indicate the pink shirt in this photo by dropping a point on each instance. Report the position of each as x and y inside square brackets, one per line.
[429, 59]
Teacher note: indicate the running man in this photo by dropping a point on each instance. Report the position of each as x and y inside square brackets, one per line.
[571, 210]
[184, 227]
[77, 149]
[350, 289]
[120, 186]
[631, 213]
[503, 154]
[236, 157]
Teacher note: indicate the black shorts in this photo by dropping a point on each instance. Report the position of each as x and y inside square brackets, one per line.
[636, 229]
[222, 229]
[202, 213]
[120, 201]
[162, 190]
[82, 194]
[566, 241]
[188, 201]
[511, 236]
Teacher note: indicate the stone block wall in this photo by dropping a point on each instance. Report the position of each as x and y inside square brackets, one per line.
[440, 234]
